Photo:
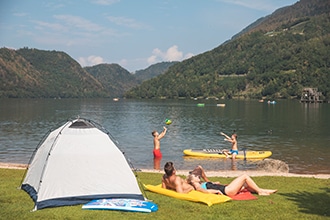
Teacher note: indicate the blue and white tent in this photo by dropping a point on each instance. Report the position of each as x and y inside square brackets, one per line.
[76, 163]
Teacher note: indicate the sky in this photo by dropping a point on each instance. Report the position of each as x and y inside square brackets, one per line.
[132, 33]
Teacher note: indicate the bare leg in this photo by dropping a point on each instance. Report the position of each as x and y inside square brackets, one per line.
[225, 152]
[244, 180]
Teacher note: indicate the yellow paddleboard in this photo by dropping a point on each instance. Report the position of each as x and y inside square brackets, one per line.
[216, 153]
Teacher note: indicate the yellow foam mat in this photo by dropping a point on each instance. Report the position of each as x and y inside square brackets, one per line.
[194, 196]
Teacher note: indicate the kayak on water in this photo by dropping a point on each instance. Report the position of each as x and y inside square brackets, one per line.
[217, 153]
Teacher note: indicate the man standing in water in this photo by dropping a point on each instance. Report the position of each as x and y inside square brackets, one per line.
[157, 153]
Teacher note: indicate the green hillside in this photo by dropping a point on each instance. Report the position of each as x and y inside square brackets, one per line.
[276, 58]
[33, 73]
[153, 70]
[115, 79]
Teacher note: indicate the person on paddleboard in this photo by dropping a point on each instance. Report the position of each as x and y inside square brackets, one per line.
[157, 153]
[233, 140]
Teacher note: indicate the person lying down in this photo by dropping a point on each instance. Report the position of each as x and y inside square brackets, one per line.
[194, 182]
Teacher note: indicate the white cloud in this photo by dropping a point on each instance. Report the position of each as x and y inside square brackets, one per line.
[127, 22]
[79, 22]
[171, 54]
[188, 55]
[105, 2]
[41, 25]
[90, 61]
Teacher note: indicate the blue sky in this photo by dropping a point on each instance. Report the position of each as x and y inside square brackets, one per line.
[132, 33]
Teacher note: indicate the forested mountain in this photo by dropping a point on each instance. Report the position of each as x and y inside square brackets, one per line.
[153, 71]
[36, 73]
[115, 79]
[276, 57]
[33, 73]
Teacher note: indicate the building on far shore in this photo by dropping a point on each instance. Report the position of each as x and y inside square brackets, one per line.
[311, 95]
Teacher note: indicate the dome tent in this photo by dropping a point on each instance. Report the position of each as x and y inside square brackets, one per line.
[76, 163]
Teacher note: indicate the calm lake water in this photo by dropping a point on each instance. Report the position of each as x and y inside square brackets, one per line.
[296, 133]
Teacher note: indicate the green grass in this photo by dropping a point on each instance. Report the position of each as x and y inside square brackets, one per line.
[297, 198]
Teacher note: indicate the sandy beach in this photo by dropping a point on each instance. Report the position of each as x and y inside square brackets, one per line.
[209, 173]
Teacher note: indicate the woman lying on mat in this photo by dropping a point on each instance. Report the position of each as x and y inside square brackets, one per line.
[238, 184]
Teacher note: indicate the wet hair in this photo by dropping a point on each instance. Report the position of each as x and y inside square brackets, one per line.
[153, 132]
[169, 168]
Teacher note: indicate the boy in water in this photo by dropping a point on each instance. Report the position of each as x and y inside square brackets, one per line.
[234, 149]
[157, 153]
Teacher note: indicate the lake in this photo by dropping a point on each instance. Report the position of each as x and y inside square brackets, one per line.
[296, 133]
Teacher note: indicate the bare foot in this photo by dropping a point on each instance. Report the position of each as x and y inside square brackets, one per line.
[266, 192]
[262, 193]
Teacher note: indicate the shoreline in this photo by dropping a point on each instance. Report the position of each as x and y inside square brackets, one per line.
[210, 173]
[252, 173]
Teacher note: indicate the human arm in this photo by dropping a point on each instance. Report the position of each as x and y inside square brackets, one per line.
[227, 138]
[163, 184]
[162, 134]
[198, 187]
[200, 172]
[224, 135]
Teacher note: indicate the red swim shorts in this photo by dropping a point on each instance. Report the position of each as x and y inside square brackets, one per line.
[157, 153]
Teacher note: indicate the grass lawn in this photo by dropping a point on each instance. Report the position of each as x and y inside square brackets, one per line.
[297, 198]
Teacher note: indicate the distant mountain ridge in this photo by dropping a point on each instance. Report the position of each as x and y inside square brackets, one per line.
[115, 79]
[33, 73]
[275, 57]
[153, 70]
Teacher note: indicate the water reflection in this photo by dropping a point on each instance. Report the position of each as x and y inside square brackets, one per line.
[157, 161]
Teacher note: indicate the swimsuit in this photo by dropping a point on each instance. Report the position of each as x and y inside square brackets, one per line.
[210, 185]
[234, 152]
[203, 185]
[157, 153]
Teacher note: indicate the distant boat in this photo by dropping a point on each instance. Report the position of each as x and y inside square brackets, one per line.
[221, 105]
[271, 102]
[115, 99]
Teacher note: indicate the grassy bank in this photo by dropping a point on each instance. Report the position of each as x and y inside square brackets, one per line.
[297, 198]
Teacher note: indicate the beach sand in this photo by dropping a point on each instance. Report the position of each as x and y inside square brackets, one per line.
[210, 173]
